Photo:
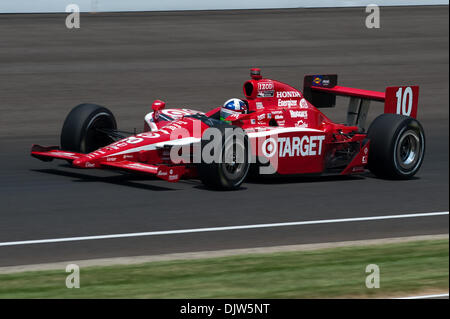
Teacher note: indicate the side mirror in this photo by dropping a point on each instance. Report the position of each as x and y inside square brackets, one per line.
[157, 107]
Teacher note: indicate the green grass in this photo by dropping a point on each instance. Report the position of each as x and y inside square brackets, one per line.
[405, 268]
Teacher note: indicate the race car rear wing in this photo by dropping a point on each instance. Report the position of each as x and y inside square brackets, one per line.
[321, 91]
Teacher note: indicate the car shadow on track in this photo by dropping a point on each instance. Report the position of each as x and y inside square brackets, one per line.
[370, 175]
[292, 179]
[203, 187]
[131, 179]
[301, 179]
[123, 180]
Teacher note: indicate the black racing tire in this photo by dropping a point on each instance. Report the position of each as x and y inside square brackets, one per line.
[79, 133]
[397, 146]
[230, 159]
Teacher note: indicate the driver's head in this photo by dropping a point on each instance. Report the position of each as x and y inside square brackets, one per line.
[232, 106]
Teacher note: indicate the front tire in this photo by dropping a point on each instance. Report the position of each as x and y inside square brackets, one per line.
[230, 159]
[397, 146]
[80, 132]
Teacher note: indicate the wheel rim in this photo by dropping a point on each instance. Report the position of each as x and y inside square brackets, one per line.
[408, 150]
[233, 167]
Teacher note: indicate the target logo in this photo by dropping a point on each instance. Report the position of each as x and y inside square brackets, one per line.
[269, 147]
[175, 113]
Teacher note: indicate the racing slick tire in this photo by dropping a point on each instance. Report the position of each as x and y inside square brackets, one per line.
[224, 166]
[397, 146]
[80, 130]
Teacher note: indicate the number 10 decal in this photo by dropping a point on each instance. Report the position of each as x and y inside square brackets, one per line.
[402, 100]
[404, 105]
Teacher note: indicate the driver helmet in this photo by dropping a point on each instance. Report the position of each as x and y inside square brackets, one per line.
[232, 106]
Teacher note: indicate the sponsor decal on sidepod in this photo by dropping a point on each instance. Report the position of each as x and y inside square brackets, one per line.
[293, 146]
[296, 114]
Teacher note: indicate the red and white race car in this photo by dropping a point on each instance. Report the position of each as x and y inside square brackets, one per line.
[283, 132]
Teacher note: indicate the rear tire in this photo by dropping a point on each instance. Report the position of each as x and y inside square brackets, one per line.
[79, 133]
[228, 169]
[397, 146]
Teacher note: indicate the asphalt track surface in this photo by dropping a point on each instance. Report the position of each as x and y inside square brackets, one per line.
[198, 60]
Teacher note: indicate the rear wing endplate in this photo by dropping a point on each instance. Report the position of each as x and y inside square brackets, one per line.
[321, 91]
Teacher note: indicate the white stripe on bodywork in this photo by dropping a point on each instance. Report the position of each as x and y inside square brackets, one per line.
[154, 146]
[281, 131]
[190, 140]
[149, 119]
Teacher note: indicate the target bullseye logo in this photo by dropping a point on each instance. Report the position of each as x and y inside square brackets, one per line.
[269, 147]
[175, 113]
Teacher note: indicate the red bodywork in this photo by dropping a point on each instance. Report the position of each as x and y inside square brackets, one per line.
[283, 127]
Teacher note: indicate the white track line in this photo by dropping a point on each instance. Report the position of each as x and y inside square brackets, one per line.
[225, 228]
[425, 296]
